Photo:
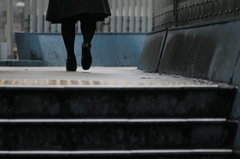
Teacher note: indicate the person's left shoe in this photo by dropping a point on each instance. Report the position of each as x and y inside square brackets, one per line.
[71, 64]
[86, 56]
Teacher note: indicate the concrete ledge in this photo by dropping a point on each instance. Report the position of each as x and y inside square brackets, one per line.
[108, 49]
[236, 75]
[21, 63]
[207, 52]
[236, 107]
[152, 51]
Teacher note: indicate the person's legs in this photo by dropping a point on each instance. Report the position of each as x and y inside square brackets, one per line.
[88, 30]
[68, 34]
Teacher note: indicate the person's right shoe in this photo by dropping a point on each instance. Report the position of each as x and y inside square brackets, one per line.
[86, 56]
[71, 64]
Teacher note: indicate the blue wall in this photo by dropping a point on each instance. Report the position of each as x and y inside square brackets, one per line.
[108, 49]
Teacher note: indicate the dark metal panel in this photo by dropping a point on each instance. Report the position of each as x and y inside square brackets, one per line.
[195, 12]
[201, 11]
[235, 7]
[189, 12]
[223, 5]
[210, 5]
[185, 13]
[228, 11]
[214, 13]
[198, 11]
[230, 8]
[180, 9]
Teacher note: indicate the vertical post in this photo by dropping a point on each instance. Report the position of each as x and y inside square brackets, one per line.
[59, 28]
[138, 17]
[99, 27]
[79, 27]
[126, 16]
[10, 29]
[132, 16]
[40, 16]
[47, 24]
[33, 17]
[54, 28]
[150, 16]
[113, 17]
[119, 16]
[144, 15]
[26, 25]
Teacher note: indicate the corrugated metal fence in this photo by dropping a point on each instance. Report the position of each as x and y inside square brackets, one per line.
[128, 16]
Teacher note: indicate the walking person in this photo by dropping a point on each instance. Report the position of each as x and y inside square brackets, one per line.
[67, 13]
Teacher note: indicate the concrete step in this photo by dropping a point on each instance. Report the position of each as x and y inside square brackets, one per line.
[116, 102]
[118, 134]
[113, 114]
[138, 154]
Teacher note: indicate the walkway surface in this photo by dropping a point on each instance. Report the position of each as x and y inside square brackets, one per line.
[96, 76]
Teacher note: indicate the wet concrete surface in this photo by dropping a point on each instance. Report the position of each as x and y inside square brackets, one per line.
[107, 75]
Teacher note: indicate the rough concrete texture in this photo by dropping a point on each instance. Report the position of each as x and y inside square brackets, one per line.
[207, 52]
[107, 74]
[236, 106]
[152, 51]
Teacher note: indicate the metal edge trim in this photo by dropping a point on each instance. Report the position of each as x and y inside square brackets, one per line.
[120, 152]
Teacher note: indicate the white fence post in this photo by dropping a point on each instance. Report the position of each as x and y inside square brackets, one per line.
[78, 27]
[144, 15]
[126, 16]
[33, 16]
[150, 16]
[132, 16]
[26, 23]
[10, 29]
[106, 25]
[40, 17]
[53, 28]
[119, 16]
[47, 24]
[138, 17]
[114, 14]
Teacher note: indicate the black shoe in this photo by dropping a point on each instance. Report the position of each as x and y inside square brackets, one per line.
[86, 56]
[71, 64]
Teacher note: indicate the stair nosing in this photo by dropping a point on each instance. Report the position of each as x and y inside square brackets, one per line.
[186, 120]
[119, 152]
